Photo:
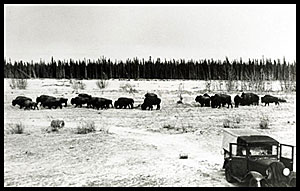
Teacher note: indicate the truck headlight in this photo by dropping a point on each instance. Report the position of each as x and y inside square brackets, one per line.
[286, 171]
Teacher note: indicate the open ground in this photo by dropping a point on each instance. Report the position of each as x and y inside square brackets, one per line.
[138, 148]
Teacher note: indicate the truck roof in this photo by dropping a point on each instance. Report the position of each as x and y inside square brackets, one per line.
[245, 136]
[256, 139]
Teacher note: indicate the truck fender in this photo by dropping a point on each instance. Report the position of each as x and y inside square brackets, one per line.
[253, 174]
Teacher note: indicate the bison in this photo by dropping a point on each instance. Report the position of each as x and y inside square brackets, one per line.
[20, 100]
[28, 104]
[41, 99]
[150, 95]
[97, 102]
[52, 102]
[203, 100]
[123, 102]
[219, 100]
[79, 101]
[84, 95]
[150, 101]
[249, 99]
[63, 100]
[237, 100]
[107, 102]
[267, 99]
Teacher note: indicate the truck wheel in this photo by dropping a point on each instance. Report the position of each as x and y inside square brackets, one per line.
[293, 182]
[253, 183]
[228, 174]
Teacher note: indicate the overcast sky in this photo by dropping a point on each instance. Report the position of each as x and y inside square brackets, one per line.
[164, 31]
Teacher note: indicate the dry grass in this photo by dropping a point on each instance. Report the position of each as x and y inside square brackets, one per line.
[84, 127]
[128, 154]
[128, 88]
[77, 84]
[15, 128]
[101, 84]
[18, 83]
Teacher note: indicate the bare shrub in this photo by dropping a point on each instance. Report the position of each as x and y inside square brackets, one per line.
[128, 88]
[226, 123]
[234, 123]
[13, 84]
[101, 84]
[77, 84]
[237, 120]
[208, 85]
[264, 122]
[104, 130]
[85, 127]
[288, 86]
[57, 124]
[18, 83]
[180, 90]
[15, 128]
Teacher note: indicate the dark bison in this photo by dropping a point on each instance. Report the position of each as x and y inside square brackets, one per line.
[203, 100]
[97, 102]
[41, 99]
[79, 101]
[63, 100]
[84, 95]
[150, 95]
[108, 103]
[249, 99]
[28, 104]
[150, 101]
[20, 100]
[219, 100]
[123, 102]
[237, 100]
[52, 102]
[267, 99]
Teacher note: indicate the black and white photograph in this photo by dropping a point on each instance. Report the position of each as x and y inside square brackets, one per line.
[149, 95]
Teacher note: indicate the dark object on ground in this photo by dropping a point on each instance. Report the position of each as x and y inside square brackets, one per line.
[183, 156]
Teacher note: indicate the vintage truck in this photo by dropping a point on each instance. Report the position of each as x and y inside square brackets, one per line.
[257, 160]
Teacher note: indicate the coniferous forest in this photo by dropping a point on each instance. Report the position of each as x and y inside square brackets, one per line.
[103, 68]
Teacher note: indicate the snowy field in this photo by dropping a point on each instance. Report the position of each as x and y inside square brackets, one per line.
[142, 148]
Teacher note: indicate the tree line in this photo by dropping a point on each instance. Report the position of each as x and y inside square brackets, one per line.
[103, 68]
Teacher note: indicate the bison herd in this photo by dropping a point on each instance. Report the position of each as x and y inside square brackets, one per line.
[220, 100]
[50, 102]
[215, 101]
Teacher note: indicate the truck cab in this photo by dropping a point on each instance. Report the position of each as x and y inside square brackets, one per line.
[257, 159]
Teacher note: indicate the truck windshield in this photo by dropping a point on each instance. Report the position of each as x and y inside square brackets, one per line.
[263, 150]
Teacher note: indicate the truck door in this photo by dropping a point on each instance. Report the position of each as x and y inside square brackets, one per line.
[286, 155]
[238, 160]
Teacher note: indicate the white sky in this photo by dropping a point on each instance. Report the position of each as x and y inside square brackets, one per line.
[164, 31]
